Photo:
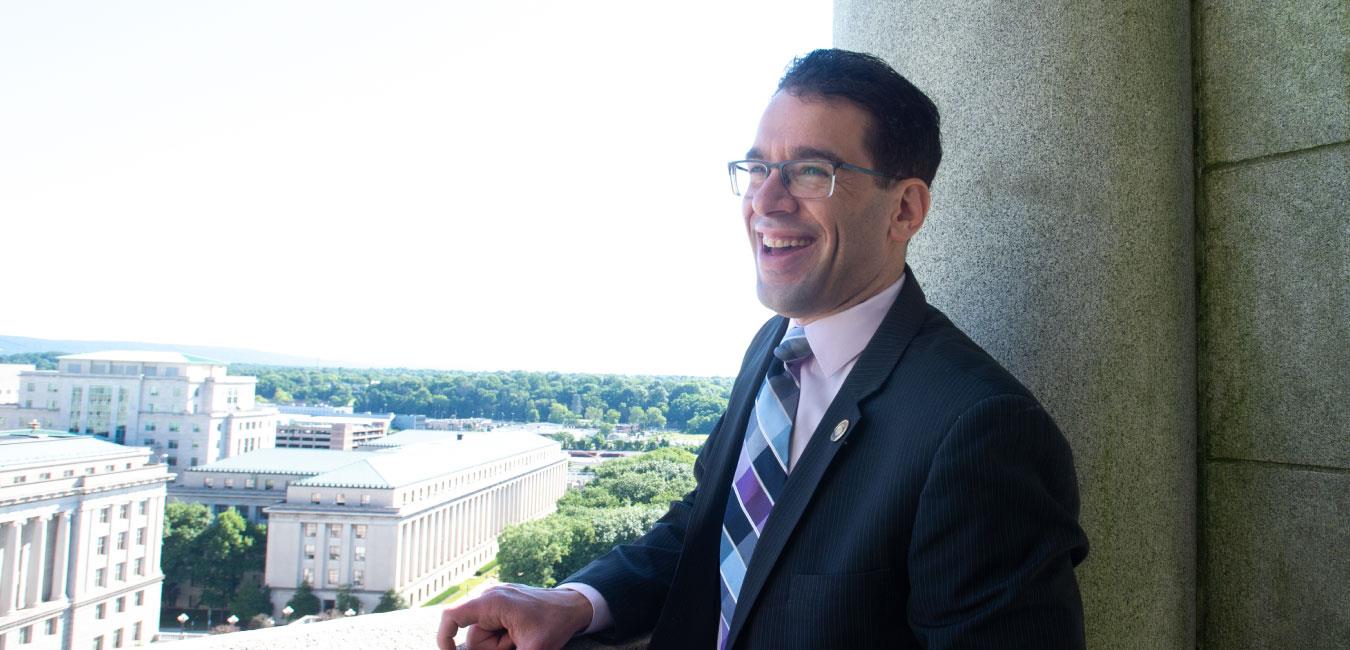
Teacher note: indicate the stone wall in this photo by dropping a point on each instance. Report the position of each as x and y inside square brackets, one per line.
[1173, 280]
[1274, 327]
[1061, 239]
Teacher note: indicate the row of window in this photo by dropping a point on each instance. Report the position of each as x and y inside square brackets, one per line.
[118, 369]
[51, 626]
[248, 483]
[335, 552]
[46, 476]
[358, 577]
[335, 530]
[101, 544]
[119, 572]
[339, 499]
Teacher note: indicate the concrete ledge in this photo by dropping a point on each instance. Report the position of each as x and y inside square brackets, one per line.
[409, 629]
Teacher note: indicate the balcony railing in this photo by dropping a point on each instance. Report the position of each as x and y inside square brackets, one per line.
[409, 629]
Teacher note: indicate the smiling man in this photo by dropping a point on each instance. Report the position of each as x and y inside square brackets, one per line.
[877, 480]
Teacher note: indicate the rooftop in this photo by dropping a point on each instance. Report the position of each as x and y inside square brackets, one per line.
[142, 356]
[23, 447]
[408, 460]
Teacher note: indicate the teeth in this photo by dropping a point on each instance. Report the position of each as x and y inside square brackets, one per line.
[785, 243]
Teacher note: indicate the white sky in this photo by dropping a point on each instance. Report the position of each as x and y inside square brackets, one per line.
[517, 185]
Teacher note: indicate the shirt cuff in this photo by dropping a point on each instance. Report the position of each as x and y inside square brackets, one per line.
[600, 617]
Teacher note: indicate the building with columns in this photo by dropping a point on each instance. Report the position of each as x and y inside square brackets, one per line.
[416, 511]
[187, 409]
[81, 521]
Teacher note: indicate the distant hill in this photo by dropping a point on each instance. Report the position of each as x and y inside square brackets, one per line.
[20, 344]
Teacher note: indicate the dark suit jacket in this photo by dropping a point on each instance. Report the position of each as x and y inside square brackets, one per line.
[945, 515]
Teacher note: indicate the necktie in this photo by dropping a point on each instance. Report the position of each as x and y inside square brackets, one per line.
[761, 471]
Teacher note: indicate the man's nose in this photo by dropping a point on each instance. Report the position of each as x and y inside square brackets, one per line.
[772, 195]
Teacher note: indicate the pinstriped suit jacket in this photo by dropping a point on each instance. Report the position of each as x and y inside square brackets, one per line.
[945, 517]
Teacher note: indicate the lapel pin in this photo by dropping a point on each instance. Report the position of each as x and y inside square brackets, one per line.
[839, 430]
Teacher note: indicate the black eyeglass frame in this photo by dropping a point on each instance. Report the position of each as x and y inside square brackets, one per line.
[783, 176]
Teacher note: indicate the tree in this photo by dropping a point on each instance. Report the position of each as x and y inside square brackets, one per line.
[304, 602]
[529, 552]
[224, 554]
[183, 524]
[251, 600]
[636, 416]
[654, 419]
[345, 600]
[390, 601]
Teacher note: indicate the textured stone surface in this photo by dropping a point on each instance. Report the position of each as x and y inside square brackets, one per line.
[1274, 76]
[1275, 310]
[1276, 567]
[1061, 239]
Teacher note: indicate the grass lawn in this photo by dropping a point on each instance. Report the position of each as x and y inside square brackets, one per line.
[489, 570]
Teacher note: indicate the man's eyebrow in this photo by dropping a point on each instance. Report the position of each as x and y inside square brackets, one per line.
[801, 153]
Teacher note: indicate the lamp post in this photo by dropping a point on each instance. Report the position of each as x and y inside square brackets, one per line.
[182, 623]
[288, 610]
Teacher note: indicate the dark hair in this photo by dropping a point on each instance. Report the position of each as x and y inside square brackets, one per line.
[903, 138]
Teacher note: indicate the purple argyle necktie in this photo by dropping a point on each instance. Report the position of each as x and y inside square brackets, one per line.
[761, 471]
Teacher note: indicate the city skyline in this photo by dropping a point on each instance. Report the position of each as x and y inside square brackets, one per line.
[477, 188]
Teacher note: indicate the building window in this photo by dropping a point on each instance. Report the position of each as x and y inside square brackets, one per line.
[358, 577]
[121, 573]
[120, 605]
[309, 551]
[101, 611]
[140, 598]
[172, 461]
[311, 530]
[136, 631]
[26, 634]
[103, 545]
[173, 427]
[335, 530]
[20, 479]
[44, 476]
[365, 499]
[315, 497]
[332, 576]
[359, 554]
[270, 485]
[208, 482]
[140, 536]
[122, 541]
[149, 426]
[154, 391]
[148, 442]
[98, 643]
[229, 484]
[194, 461]
[125, 511]
[334, 551]
[140, 566]
[101, 577]
[307, 575]
[105, 514]
[50, 626]
[144, 506]
[173, 444]
[117, 638]
[340, 499]
[250, 484]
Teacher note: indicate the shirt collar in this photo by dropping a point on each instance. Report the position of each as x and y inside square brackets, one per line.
[839, 338]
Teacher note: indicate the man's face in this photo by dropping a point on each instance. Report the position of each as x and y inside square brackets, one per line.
[816, 257]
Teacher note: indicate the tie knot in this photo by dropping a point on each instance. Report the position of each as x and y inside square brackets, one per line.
[794, 346]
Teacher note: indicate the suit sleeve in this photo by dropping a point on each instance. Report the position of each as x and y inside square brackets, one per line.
[634, 578]
[996, 535]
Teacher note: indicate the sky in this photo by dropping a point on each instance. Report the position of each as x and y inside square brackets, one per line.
[477, 186]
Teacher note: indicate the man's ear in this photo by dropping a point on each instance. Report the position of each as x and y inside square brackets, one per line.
[910, 209]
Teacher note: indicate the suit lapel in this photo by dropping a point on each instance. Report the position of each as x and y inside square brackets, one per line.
[874, 365]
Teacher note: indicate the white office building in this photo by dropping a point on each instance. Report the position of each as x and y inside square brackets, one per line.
[416, 511]
[331, 431]
[9, 382]
[81, 521]
[186, 409]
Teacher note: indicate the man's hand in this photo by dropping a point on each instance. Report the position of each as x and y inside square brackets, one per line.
[517, 616]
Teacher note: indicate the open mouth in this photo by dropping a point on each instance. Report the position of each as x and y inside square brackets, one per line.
[775, 246]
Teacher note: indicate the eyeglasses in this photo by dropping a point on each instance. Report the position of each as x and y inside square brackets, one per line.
[804, 179]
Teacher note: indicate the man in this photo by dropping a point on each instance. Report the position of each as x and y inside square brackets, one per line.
[877, 480]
